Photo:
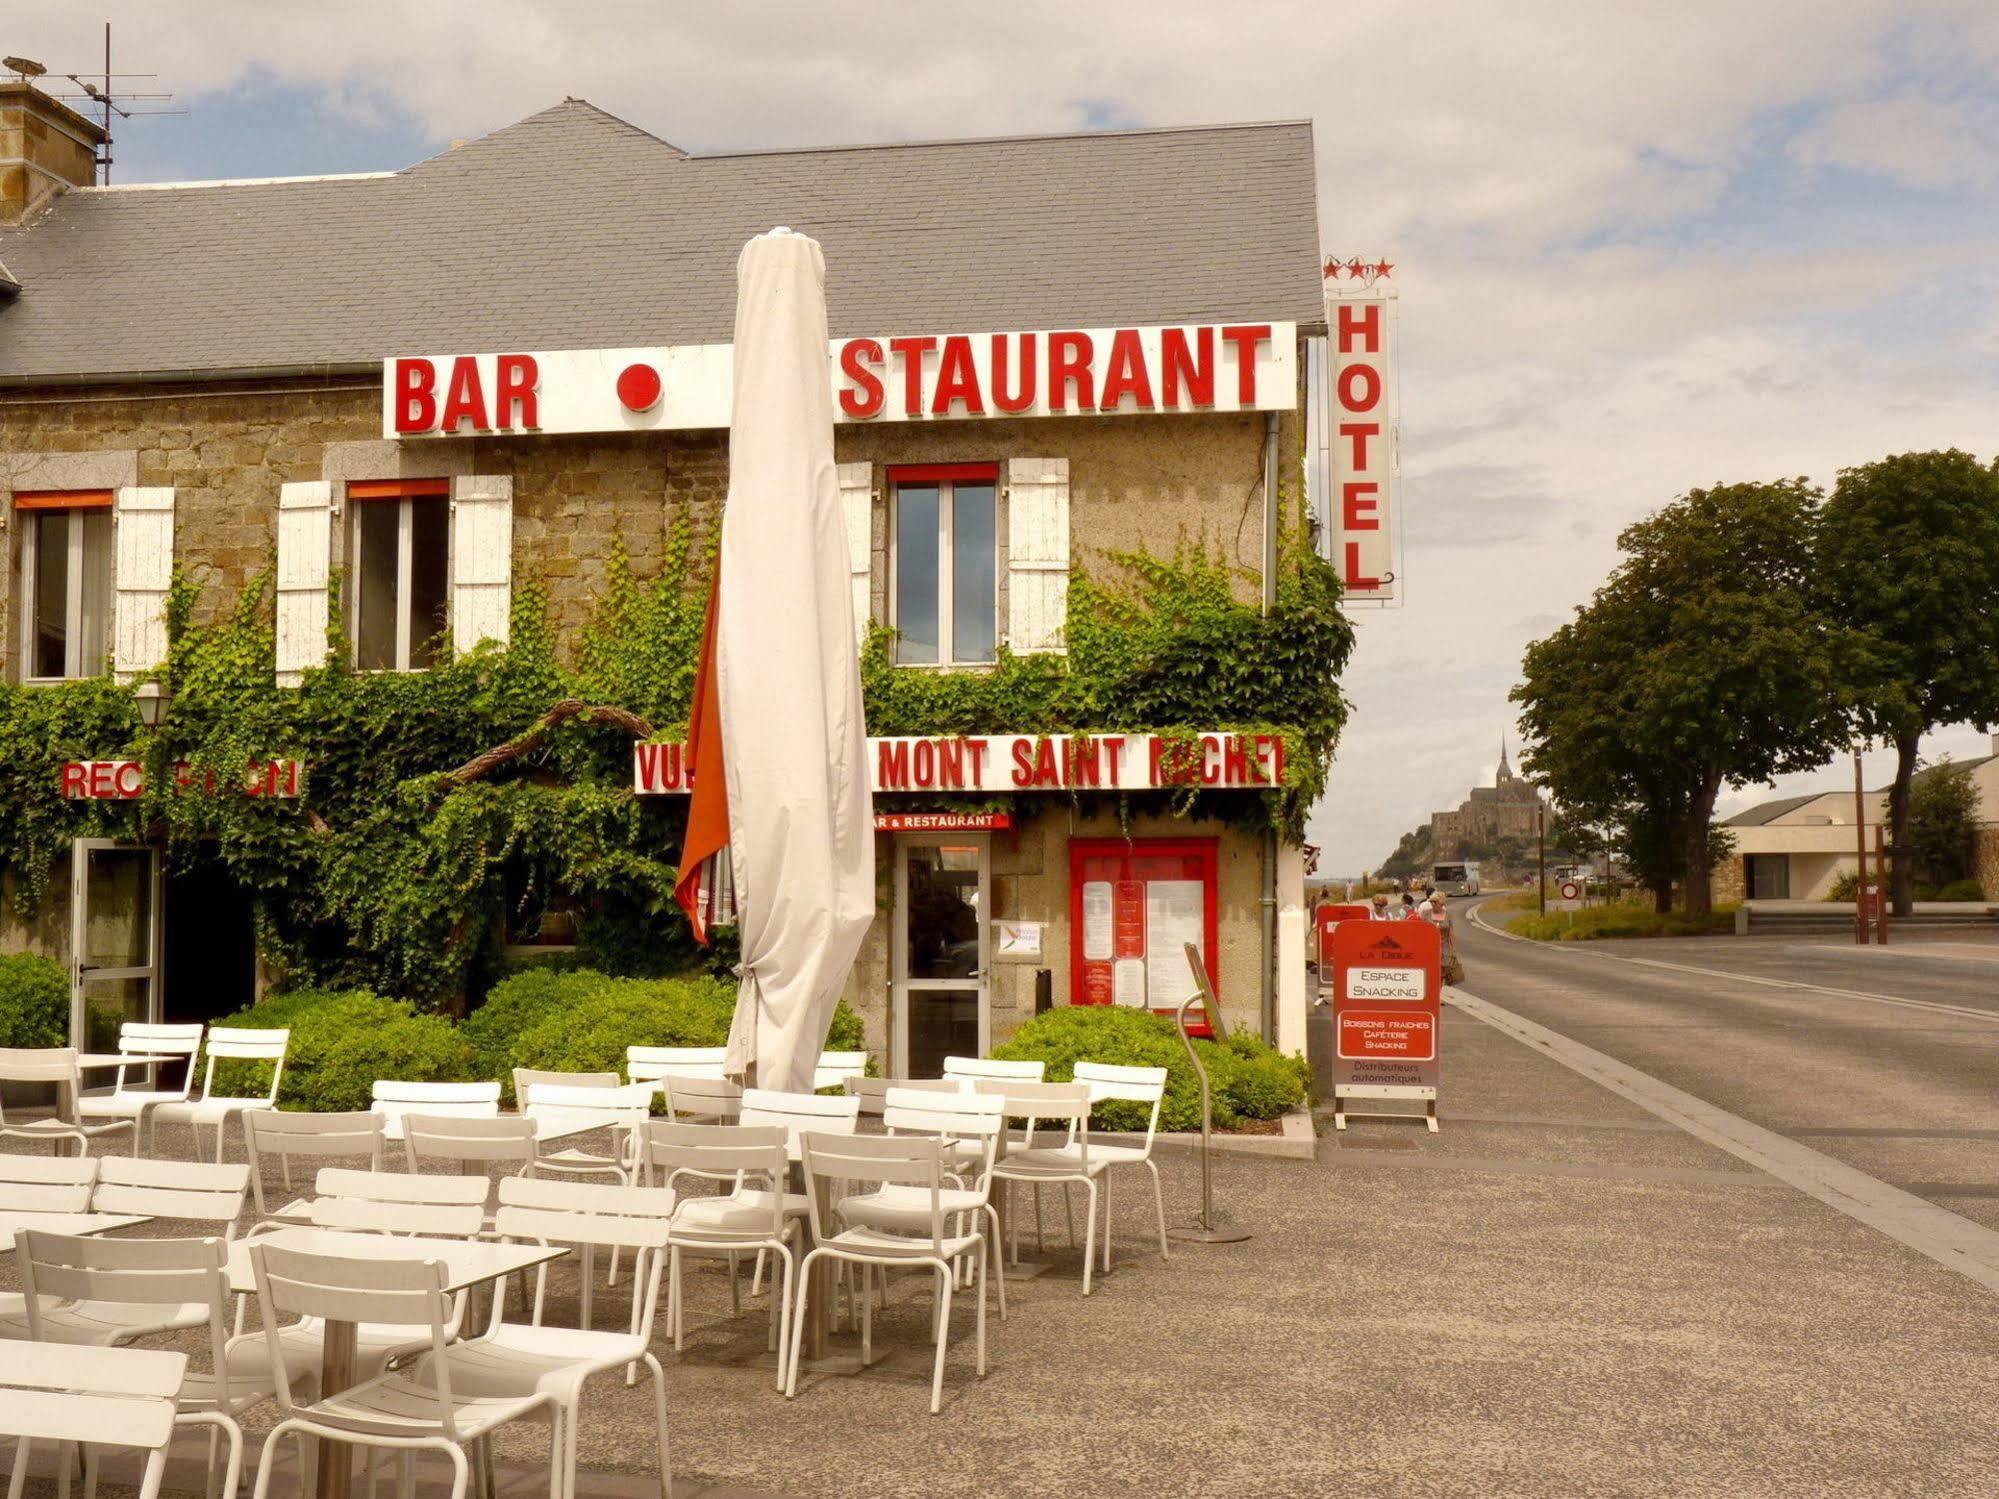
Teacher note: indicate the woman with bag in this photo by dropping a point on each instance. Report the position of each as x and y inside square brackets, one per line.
[1439, 917]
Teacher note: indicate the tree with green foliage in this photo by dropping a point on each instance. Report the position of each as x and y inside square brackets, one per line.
[1411, 856]
[1909, 557]
[1702, 662]
[1943, 824]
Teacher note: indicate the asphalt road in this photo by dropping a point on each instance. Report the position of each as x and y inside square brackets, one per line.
[1887, 1062]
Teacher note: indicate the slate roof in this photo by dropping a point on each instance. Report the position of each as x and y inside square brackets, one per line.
[1770, 811]
[574, 229]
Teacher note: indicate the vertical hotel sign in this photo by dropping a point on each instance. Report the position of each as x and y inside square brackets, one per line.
[1362, 435]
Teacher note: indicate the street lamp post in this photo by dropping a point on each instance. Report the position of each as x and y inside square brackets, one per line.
[152, 698]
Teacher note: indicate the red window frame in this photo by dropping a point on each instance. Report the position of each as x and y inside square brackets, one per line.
[399, 489]
[62, 499]
[1205, 856]
[939, 473]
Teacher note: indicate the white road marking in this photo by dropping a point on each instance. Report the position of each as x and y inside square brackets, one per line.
[1586, 950]
[1935, 1232]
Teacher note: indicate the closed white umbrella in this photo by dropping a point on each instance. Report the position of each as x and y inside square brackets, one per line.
[778, 700]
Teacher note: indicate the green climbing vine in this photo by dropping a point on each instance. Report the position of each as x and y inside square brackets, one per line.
[499, 782]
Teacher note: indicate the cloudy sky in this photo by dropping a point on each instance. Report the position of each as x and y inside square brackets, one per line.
[1640, 247]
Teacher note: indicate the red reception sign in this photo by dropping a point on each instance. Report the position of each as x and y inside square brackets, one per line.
[1387, 990]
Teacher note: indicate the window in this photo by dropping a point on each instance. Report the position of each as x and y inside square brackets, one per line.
[66, 585]
[945, 557]
[400, 548]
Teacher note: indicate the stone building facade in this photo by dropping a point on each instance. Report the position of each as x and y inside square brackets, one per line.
[1508, 809]
[254, 435]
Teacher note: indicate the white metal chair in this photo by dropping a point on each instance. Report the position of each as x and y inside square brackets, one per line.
[755, 1215]
[796, 1113]
[505, 1140]
[138, 1038]
[969, 1126]
[214, 1110]
[393, 1099]
[381, 1202]
[389, 1411]
[713, 1099]
[885, 1161]
[331, 1136]
[526, 1078]
[972, 1070]
[1073, 1161]
[652, 1064]
[46, 1184]
[873, 1091]
[835, 1067]
[513, 1360]
[182, 1190]
[65, 1394]
[621, 1109]
[1146, 1085]
[54, 1066]
[168, 1276]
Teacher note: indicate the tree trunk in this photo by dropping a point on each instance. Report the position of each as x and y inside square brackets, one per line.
[1901, 875]
[1662, 897]
[1698, 881]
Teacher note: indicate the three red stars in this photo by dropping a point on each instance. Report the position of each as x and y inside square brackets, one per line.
[1358, 269]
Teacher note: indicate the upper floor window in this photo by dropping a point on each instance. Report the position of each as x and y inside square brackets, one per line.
[400, 546]
[66, 583]
[945, 562]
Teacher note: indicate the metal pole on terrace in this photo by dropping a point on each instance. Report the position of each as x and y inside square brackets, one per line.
[1860, 835]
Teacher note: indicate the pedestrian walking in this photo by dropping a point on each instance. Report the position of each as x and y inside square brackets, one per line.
[1439, 916]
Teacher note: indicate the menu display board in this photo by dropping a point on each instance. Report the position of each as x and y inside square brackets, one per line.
[1134, 906]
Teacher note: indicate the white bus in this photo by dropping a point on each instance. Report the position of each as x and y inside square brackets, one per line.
[1454, 879]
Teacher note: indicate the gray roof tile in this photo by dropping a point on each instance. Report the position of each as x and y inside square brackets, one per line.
[574, 229]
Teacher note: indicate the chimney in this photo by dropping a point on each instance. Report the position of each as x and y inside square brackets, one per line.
[46, 148]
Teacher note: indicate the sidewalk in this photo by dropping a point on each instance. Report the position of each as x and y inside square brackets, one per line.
[1557, 1295]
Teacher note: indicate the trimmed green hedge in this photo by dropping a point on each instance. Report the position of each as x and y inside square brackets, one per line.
[34, 1001]
[1249, 1079]
[573, 1020]
[341, 1043]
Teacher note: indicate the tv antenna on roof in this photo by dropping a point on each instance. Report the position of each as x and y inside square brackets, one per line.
[109, 101]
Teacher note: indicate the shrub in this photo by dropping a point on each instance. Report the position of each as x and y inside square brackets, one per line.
[1961, 890]
[582, 1021]
[1845, 888]
[1620, 921]
[34, 1001]
[1248, 1079]
[513, 1006]
[342, 1042]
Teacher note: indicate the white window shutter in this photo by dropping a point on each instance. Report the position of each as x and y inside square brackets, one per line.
[482, 559]
[305, 556]
[857, 501]
[143, 569]
[1037, 554]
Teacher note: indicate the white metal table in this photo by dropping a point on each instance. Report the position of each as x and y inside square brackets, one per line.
[79, 1225]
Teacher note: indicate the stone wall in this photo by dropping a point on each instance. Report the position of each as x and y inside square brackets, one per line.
[1135, 482]
[1985, 861]
[1725, 879]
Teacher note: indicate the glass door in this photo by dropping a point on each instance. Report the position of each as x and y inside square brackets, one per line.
[943, 905]
[114, 939]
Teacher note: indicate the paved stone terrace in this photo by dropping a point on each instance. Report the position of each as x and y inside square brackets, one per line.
[1557, 1295]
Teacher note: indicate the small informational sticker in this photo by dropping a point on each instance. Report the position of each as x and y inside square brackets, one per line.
[1384, 983]
[1018, 939]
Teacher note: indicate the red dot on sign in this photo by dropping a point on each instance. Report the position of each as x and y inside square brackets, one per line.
[638, 387]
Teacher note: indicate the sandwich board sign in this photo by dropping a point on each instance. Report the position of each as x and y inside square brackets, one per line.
[1387, 989]
[1326, 918]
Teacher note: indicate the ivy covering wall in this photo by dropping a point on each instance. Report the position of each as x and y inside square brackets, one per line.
[413, 836]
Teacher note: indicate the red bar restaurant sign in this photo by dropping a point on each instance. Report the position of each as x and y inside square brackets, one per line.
[1163, 369]
[125, 780]
[1004, 763]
